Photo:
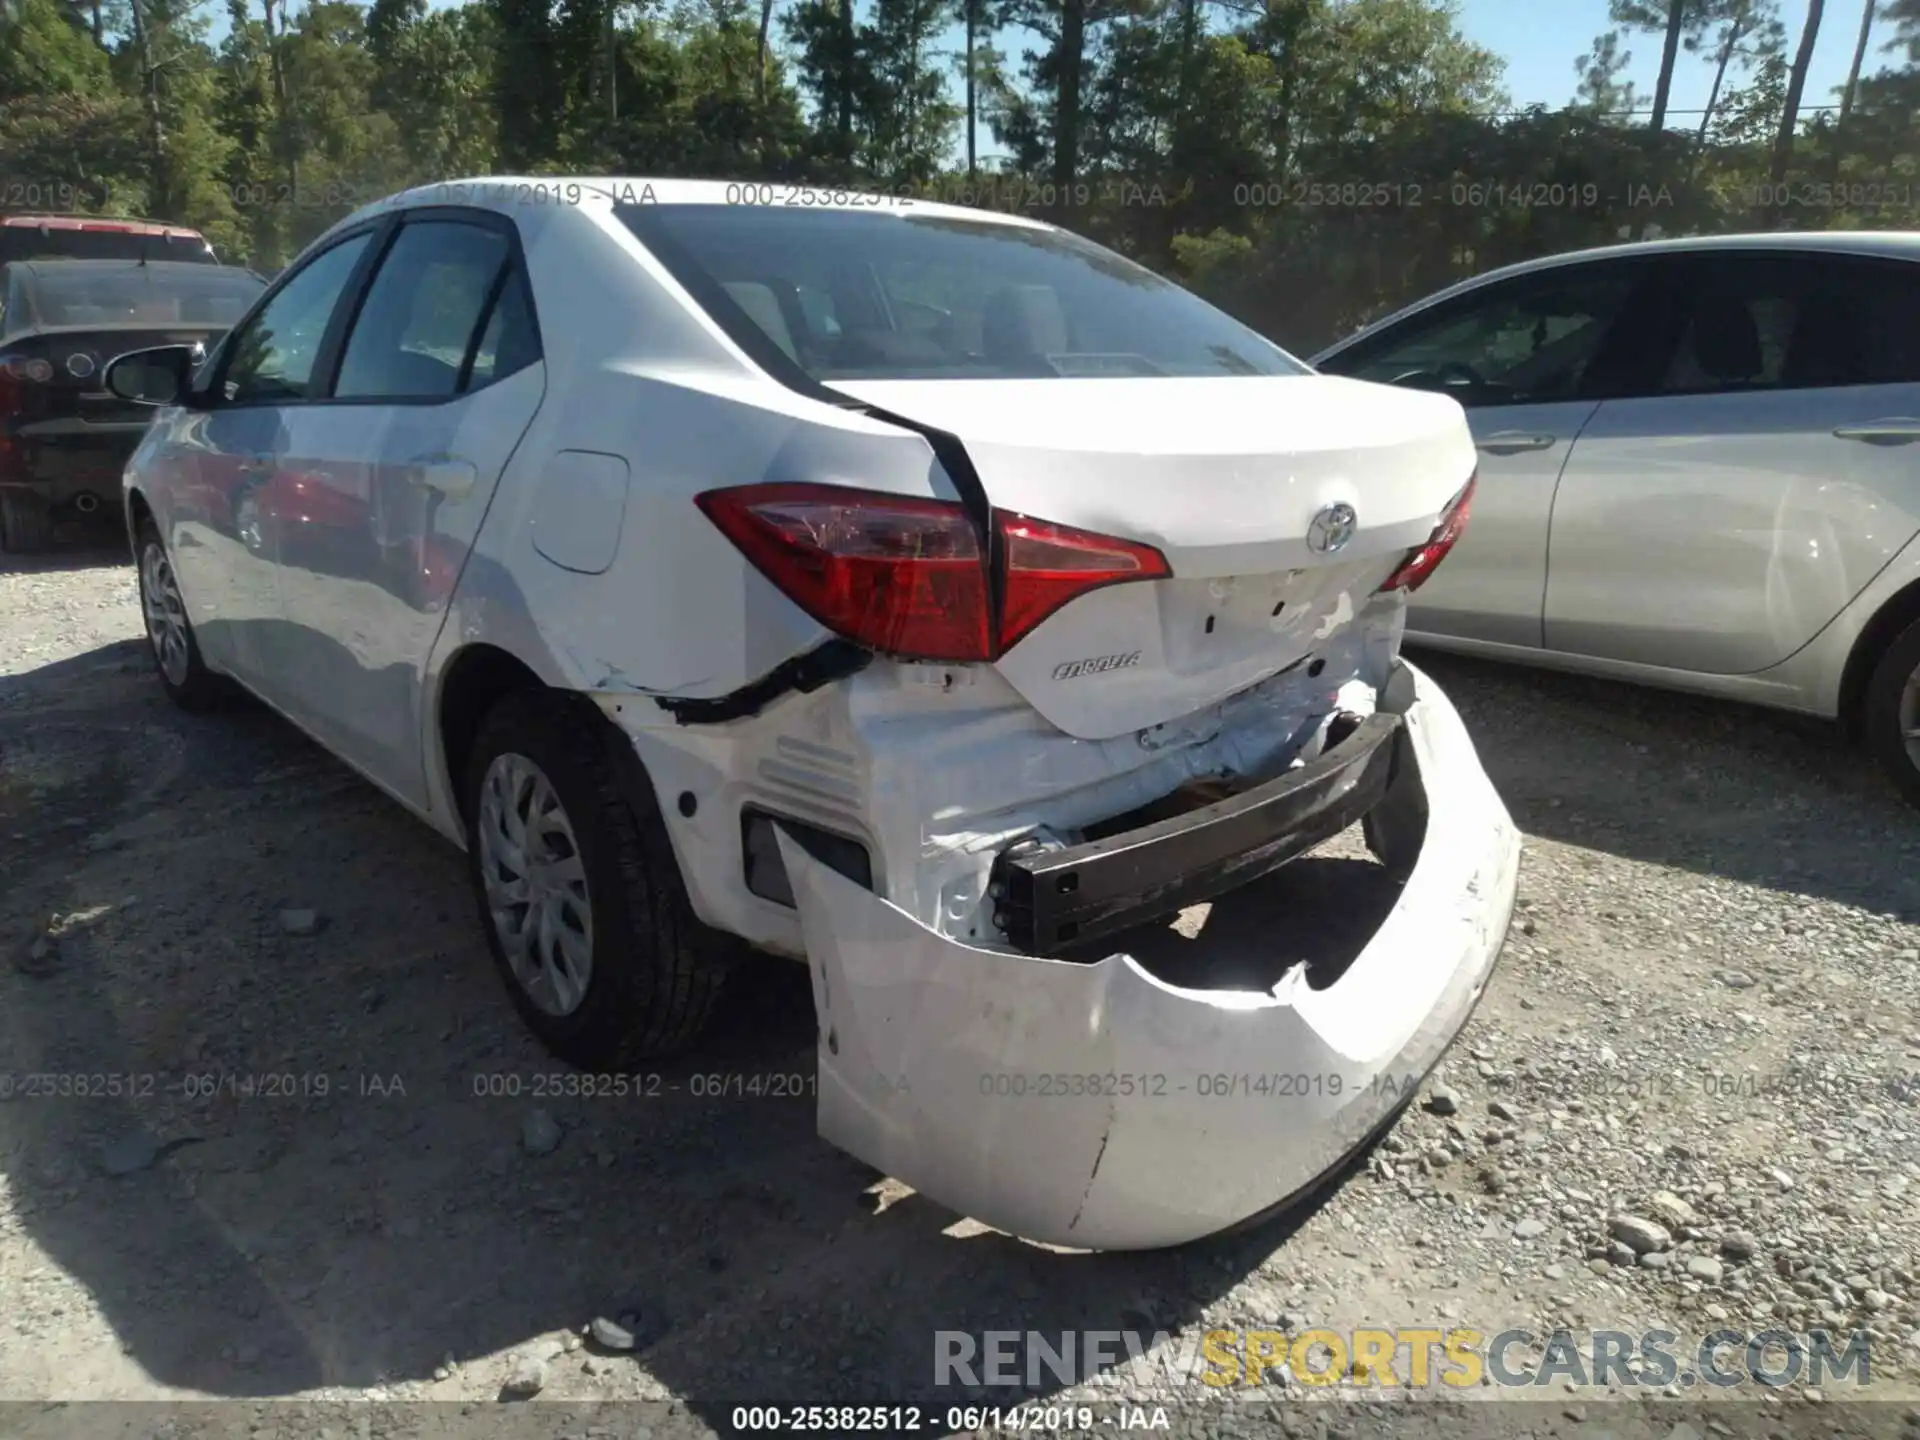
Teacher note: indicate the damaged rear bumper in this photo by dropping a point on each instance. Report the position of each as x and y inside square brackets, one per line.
[1097, 1106]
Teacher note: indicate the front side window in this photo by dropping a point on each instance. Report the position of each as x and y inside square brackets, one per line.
[851, 295]
[411, 338]
[1526, 340]
[273, 356]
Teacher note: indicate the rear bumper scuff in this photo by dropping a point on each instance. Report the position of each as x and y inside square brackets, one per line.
[1097, 1106]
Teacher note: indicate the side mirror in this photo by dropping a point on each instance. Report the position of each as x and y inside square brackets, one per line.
[159, 376]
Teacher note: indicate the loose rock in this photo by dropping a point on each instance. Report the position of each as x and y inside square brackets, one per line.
[1443, 1100]
[1672, 1210]
[300, 922]
[527, 1378]
[1639, 1235]
[540, 1133]
[610, 1335]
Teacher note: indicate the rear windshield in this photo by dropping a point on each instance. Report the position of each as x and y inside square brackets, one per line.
[24, 242]
[873, 295]
[141, 294]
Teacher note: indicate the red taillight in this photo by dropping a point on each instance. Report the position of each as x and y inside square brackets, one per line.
[893, 572]
[1418, 567]
[907, 575]
[1048, 565]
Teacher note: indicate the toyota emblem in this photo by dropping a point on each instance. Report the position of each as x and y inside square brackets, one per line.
[1332, 528]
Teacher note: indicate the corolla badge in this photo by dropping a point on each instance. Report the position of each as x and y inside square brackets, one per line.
[1332, 528]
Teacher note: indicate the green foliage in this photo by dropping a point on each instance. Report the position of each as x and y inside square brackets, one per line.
[1306, 163]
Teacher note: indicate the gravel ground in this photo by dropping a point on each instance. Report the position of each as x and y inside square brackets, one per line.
[1690, 1100]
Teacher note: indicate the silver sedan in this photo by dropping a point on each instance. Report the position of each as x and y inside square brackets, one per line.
[1699, 469]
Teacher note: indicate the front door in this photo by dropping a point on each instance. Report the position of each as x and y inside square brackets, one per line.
[1521, 356]
[265, 373]
[436, 382]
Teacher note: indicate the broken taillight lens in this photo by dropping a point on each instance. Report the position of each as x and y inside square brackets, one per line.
[1421, 562]
[907, 575]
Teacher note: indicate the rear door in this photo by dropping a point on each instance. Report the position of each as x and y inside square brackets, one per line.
[1763, 470]
[1526, 357]
[386, 481]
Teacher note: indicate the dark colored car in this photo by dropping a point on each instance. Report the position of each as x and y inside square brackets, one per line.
[64, 438]
[92, 237]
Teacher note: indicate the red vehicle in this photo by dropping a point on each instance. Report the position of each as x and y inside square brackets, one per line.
[99, 237]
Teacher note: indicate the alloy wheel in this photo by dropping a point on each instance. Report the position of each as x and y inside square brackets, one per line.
[166, 613]
[536, 884]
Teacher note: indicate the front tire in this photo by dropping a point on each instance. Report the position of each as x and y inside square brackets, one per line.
[26, 523]
[1893, 712]
[581, 897]
[170, 638]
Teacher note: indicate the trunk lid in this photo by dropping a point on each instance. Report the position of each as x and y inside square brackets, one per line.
[1225, 476]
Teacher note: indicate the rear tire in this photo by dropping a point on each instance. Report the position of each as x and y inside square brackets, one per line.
[1892, 712]
[170, 638]
[26, 523]
[581, 897]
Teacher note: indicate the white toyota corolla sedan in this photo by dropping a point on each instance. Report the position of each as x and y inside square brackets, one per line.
[930, 595]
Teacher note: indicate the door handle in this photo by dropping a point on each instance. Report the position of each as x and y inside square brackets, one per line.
[1512, 442]
[1898, 430]
[449, 474]
[256, 467]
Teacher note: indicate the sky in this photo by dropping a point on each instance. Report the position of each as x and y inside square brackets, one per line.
[1541, 39]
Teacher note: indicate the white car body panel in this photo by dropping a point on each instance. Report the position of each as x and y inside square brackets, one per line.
[354, 646]
[918, 1032]
[640, 403]
[938, 768]
[1223, 477]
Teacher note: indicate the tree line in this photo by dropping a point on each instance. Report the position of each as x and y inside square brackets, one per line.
[1305, 163]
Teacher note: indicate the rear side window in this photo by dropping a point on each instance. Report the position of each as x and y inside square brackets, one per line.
[1806, 321]
[423, 312]
[511, 341]
[861, 294]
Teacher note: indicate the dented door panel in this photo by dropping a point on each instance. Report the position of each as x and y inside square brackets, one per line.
[1096, 1106]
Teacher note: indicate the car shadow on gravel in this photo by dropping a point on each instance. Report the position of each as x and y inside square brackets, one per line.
[91, 546]
[280, 1161]
[1758, 796]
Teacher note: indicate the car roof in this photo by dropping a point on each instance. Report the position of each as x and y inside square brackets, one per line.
[510, 194]
[1888, 244]
[116, 223]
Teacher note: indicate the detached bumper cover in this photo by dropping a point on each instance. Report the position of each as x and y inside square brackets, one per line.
[1096, 1106]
